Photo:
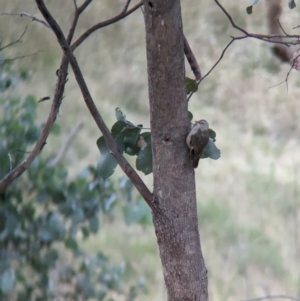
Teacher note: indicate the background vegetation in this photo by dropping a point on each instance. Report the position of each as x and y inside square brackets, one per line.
[249, 199]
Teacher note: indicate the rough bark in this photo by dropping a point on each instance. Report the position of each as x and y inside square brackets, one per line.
[175, 212]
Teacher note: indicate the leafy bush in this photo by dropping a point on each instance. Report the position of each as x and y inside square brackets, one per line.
[44, 215]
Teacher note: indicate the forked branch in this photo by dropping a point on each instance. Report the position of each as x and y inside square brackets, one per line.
[128, 170]
[286, 39]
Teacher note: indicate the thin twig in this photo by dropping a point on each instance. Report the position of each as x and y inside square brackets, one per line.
[19, 57]
[287, 75]
[75, 4]
[126, 6]
[77, 13]
[105, 23]
[281, 27]
[16, 41]
[24, 14]
[266, 38]
[191, 59]
[128, 170]
[213, 67]
[65, 147]
[274, 297]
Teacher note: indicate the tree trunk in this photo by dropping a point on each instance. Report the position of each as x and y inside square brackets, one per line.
[175, 212]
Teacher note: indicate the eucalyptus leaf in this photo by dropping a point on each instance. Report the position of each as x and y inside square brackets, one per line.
[212, 134]
[71, 244]
[249, 8]
[190, 85]
[144, 158]
[292, 4]
[211, 151]
[94, 224]
[107, 163]
[7, 281]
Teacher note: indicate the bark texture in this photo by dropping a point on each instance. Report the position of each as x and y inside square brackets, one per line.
[174, 203]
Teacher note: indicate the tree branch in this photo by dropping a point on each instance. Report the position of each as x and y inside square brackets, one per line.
[266, 38]
[16, 41]
[191, 59]
[105, 23]
[128, 170]
[18, 170]
[61, 82]
[24, 14]
[213, 67]
[77, 13]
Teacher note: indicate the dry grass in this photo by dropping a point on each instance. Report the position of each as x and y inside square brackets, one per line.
[248, 200]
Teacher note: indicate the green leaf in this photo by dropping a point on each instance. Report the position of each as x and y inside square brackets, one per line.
[94, 224]
[249, 10]
[119, 114]
[55, 226]
[71, 244]
[7, 281]
[144, 158]
[292, 4]
[212, 134]
[190, 116]
[211, 151]
[107, 163]
[131, 136]
[190, 85]
[51, 257]
[130, 141]
[126, 135]
[85, 232]
[138, 213]
[4, 162]
[118, 132]
[118, 128]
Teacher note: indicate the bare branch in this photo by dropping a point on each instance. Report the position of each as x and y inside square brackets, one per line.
[213, 67]
[267, 38]
[18, 170]
[115, 19]
[191, 59]
[274, 39]
[281, 27]
[128, 170]
[24, 14]
[274, 297]
[65, 147]
[19, 57]
[75, 4]
[126, 6]
[77, 13]
[15, 42]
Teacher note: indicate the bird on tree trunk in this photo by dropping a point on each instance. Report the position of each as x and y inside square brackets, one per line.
[197, 139]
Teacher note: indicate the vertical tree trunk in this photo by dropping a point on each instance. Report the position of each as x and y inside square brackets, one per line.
[175, 213]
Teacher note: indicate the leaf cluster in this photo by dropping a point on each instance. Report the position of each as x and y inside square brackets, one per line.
[129, 140]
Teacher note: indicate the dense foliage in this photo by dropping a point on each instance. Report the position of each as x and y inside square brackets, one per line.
[45, 214]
